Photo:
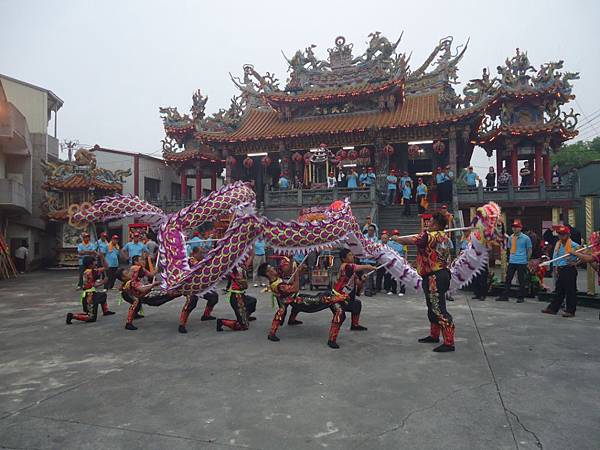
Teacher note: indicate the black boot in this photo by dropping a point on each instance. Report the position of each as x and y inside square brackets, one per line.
[130, 326]
[219, 325]
[273, 338]
[429, 340]
[205, 318]
[358, 328]
[182, 329]
[294, 322]
[333, 344]
[69, 318]
[444, 348]
[109, 313]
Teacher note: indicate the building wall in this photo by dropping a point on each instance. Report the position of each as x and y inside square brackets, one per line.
[32, 103]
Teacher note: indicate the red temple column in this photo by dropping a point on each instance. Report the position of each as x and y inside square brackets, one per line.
[547, 175]
[183, 184]
[198, 183]
[539, 173]
[213, 178]
[514, 167]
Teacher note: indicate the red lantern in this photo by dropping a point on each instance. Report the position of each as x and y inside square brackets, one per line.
[365, 152]
[388, 150]
[439, 147]
[265, 161]
[341, 154]
[248, 162]
[231, 161]
[413, 151]
[297, 157]
[285, 160]
[352, 155]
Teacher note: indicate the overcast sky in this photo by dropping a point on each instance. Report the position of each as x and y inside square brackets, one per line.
[115, 62]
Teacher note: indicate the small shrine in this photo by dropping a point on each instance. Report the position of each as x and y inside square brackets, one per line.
[71, 186]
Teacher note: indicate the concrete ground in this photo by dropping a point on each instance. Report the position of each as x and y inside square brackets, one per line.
[519, 379]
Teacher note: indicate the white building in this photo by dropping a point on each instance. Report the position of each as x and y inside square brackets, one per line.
[26, 111]
[151, 179]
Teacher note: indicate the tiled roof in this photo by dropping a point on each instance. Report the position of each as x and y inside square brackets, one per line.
[549, 128]
[264, 125]
[81, 182]
[331, 94]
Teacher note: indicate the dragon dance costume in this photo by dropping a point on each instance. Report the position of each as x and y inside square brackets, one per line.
[243, 305]
[287, 294]
[90, 299]
[433, 251]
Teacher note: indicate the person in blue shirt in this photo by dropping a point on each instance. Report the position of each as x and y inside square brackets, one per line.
[565, 274]
[284, 183]
[470, 178]
[102, 246]
[389, 283]
[392, 188]
[259, 258]
[352, 179]
[194, 242]
[135, 247]
[406, 178]
[406, 197]
[440, 180]
[111, 260]
[85, 248]
[520, 252]
[421, 195]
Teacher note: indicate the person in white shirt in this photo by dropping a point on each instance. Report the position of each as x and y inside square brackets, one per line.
[21, 255]
[331, 181]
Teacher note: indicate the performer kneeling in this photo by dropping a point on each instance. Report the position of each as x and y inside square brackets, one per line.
[90, 299]
[285, 294]
[243, 305]
[192, 300]
[433, 252]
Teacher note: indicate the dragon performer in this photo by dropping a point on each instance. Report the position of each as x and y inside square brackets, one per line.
[182, 277]
[439, 277]
[179, 277]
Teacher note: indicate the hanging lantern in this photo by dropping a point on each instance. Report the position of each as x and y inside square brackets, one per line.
[388, 150]
[352, 155]
[285, 160]
[231, 161]
[341, 154]
[413, 151]
[248, 162]
[265, 161]
[297, 157]
[365, 152]
[439, 147]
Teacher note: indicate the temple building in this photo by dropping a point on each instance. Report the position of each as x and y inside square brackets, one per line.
[377, 110]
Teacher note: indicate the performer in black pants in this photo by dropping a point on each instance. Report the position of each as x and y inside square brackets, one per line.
[480, 284]
[565, 274]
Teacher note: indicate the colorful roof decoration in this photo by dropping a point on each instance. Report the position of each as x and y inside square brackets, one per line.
[375, 91]
[82, 174]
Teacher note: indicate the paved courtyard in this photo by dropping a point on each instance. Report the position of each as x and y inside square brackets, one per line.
[518, 380]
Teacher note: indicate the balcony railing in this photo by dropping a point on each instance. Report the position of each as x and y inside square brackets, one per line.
[317, 197]
[13, 195]
[511, 194]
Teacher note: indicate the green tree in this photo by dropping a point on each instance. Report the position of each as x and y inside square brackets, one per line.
[577, 154]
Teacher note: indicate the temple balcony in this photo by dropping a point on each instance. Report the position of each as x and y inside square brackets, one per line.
[538, 195]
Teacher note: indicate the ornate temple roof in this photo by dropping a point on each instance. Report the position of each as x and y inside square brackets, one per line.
[81, 174]
[376, 90]
[264, 124]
